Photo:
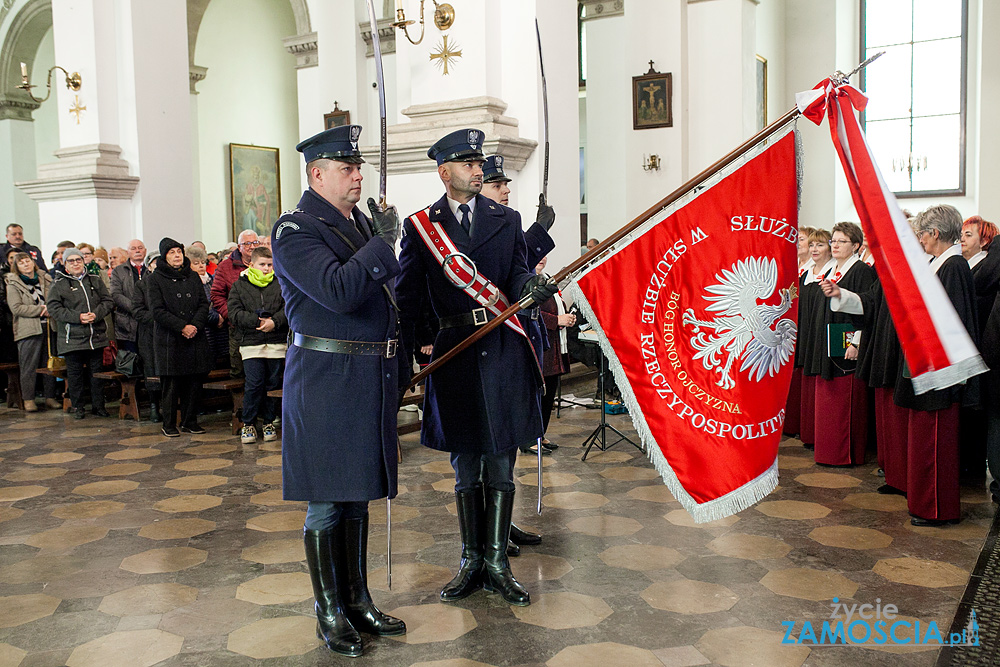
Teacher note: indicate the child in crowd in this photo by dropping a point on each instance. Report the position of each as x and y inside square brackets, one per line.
[257, 312]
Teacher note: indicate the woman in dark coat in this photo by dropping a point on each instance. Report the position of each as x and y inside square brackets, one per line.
[180, 313]
[841, 397]
[555, 360]
[78, 303]
[144, 337]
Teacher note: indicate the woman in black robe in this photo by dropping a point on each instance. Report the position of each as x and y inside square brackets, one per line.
[793, 405]
[812, 333]
[841, 397]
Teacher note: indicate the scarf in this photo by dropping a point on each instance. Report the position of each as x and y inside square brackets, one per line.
[28, 281]
[257, 278]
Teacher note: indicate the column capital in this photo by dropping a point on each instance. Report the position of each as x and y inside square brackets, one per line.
[196, 74]
[83, 172]
[16, 107]
[305, 48]
[602, 9]
[386, 37]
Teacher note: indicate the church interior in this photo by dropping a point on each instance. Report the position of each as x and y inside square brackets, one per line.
[120, 546]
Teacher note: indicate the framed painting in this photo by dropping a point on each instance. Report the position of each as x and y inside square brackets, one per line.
[336, 118]
[255, 182]
[652, 95]
[761, 92]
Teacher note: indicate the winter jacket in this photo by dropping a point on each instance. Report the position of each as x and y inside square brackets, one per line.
[27, 315]
[245, 301]
[69, 298]
[218, 337]
[123, 282]
[35, 253]
[176, 298]
[144, 327]
[225, 276]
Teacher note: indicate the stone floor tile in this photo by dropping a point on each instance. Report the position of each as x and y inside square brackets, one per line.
[275, 637]
[273, 461]
[877, 501]
[171, 559]
[175, 529]
[403, 542]
[277, 522]
[685, 596]
[531, 567]
[57, 457]
[412, 577]
[203, 464]
[681, 656]
[452, 662]
[11, 656]
[276, 589]
[574, 500]
[828, 480]
[207, 618]
[192, 482]
[120, 469]
[269, 477]
[144, 440]
[12, 494]
[132, 453]
[794, 462]
[807, 584]
[108, 488]
[629, 474]
[148, 599]
[919, 572]
[967, 530]
[66, 536]
[191, 503]
[34, 474]
[209, 450]
[641, 557]
[750, 547]
[10, 513]
[549, 479]
[41, 569]
[443, 467]
[272, 498]
[750, 647]
[656, 493]
[270, 552]
[20, 609]
[604, 525]
[133, 648]
[561, 611]
[684, 518]
[400, 513]
[434, 622]
[792, 509]
[603, 654]
[850, 537]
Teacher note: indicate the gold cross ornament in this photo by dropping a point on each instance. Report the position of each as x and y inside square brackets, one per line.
[444, 55]
[77, 108]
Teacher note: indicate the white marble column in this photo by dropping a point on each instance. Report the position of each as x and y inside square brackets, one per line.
[125, 169]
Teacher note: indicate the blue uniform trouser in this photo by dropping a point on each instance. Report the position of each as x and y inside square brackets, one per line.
[494, 471]
[325, 515]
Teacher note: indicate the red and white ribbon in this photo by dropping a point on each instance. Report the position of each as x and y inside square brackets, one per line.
[478, 288]
[937, 346]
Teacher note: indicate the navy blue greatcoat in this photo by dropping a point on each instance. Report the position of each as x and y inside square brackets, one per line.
[486, 400]
[338, 412]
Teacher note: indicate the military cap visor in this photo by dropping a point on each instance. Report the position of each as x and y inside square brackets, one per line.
[493, 170]
[498, 177]
[337, 143]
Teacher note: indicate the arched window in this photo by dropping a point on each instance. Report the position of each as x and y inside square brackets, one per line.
[915, 119]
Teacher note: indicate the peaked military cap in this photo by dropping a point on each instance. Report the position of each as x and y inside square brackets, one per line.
[493, 170]
[337, 143]
[459, 146]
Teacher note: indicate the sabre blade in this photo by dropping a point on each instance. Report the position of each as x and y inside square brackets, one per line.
[373, 25]
[388, 539]
[545, 117]
[539, 448]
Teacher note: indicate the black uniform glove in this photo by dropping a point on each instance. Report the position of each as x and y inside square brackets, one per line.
[546, 214]
[385, 224]
[539, 288]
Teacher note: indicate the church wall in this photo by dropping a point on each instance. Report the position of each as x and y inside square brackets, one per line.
[46, 117]
[248, 96]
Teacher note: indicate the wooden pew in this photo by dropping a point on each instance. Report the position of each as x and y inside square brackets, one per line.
[129, 403]
[235, 388]
[15, 397]
[61, 374]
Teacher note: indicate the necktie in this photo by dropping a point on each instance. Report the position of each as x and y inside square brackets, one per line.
[466, 221]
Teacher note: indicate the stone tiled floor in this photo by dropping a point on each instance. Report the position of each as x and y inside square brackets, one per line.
[119, 546]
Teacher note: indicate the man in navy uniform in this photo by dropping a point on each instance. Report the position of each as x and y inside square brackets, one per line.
[335, 268]
[537, 239]
[485, 402]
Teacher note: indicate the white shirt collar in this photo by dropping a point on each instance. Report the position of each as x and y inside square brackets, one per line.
[816, 277]
[975, 259]
[851, 261]
[940, 259]
[453, 205]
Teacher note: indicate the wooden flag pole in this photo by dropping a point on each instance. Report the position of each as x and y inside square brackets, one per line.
[609, 242]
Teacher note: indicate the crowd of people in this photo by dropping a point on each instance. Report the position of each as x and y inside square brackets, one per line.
[851, 379]
[170, 316]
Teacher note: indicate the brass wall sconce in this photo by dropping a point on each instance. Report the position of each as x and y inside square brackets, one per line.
[73, 82]
[444, 17]
[651, 162]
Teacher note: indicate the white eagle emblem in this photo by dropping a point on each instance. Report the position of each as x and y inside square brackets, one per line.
[355, 134]
[498, 161]
[745, 328]
[473, 138]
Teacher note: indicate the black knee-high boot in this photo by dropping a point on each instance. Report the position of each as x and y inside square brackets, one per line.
[358, 603]
[471, 522]
[499, 506]
[323, 552]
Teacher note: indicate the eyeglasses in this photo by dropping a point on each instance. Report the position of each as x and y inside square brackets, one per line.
[839, 242]
[251, 244]
[74, 259]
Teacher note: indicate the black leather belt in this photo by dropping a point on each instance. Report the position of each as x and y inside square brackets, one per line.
[477, 317]
[385, 349]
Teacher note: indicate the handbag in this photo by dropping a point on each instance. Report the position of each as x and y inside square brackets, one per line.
[128, 363]
[54, 363]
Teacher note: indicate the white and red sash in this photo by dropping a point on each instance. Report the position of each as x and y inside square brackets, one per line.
[479, 289]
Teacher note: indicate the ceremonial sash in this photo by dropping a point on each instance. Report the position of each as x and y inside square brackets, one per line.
[937, 346]
[478, 288]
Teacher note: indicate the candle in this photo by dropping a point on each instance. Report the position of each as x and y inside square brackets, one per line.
[399, 5]
[24, 71]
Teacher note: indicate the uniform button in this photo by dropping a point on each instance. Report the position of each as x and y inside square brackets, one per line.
[538, 249]
[388, 375]
[484, 353]
[375, 270]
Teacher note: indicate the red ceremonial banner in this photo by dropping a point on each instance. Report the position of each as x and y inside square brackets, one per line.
[696, 312]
